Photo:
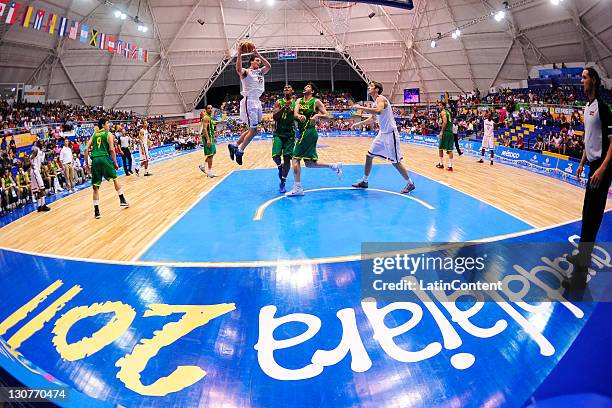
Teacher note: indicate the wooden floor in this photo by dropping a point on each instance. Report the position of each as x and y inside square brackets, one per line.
[157, 201]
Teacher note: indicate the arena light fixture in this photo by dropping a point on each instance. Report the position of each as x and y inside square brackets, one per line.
[433, 44]
[456, 34]
[123, 16]
[117, 14]
[270, 2]
[499, 16]
[556, 2]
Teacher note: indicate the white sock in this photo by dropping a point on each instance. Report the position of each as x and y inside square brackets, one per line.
[409, 180]
[365, 178]
[96, 202]
[440, 161]
[450, 162]
[120, 192]
[297, 184]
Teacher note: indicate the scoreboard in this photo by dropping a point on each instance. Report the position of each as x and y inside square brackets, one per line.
[287, 55]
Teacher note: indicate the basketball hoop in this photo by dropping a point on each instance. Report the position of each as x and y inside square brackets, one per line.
[339, 12]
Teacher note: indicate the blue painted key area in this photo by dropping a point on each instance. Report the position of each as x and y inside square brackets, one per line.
[324, 223]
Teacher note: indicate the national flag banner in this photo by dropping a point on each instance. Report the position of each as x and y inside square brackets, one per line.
[134, 52]
[40, 16]
[11, 15]
[102, 41]
[93, 39]
[126, 50]
[141, 54]
[74, 30]
[27, 16]
[111, 44]
[62, 30]
[84, 33]
[3, 4]
[119, 47]
[145, 56]
[51, 20]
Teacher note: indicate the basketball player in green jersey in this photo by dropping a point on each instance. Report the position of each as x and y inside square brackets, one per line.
[208, 140]
[102, 148]
[447, 139]
[284, 135]
[307, 110]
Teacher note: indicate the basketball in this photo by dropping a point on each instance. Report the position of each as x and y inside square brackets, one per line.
[247, 46]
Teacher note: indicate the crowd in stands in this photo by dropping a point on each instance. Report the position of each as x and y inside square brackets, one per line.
[28, 115]
[332, 100]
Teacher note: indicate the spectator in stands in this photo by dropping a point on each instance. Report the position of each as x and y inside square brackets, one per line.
[13, 145]
[555, 144]
[539, 145]
[76, 147]
[3, 145]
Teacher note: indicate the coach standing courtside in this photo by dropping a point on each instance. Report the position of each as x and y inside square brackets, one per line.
[598, 152]
[68, 165]
[124, 142]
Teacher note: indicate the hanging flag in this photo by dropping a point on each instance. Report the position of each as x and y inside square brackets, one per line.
[102, 41]
[3, 4]
[119, 47]
[141, 54]
[74, 29]
[62, 30]
[93, 40]
[27, 15]
[51, 20]
[126, 50]
[134, 52]
[111, 44]
[11, 15]
[145, 58]
[40, 15]
[84, 33]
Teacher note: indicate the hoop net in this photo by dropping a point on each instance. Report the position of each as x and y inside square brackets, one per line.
[339, 12]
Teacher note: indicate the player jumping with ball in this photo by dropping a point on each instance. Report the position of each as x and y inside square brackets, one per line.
[252, 84]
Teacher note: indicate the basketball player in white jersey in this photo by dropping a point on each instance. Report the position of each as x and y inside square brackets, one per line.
[251, 112]
[143, 141]
[386, 145]
[488, 140]
[38, 186]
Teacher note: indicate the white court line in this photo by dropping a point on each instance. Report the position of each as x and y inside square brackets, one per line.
[260, 210]
[289, 262]
[177, 219]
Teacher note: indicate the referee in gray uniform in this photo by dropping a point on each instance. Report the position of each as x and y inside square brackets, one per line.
[598, 152]
[124, 142]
